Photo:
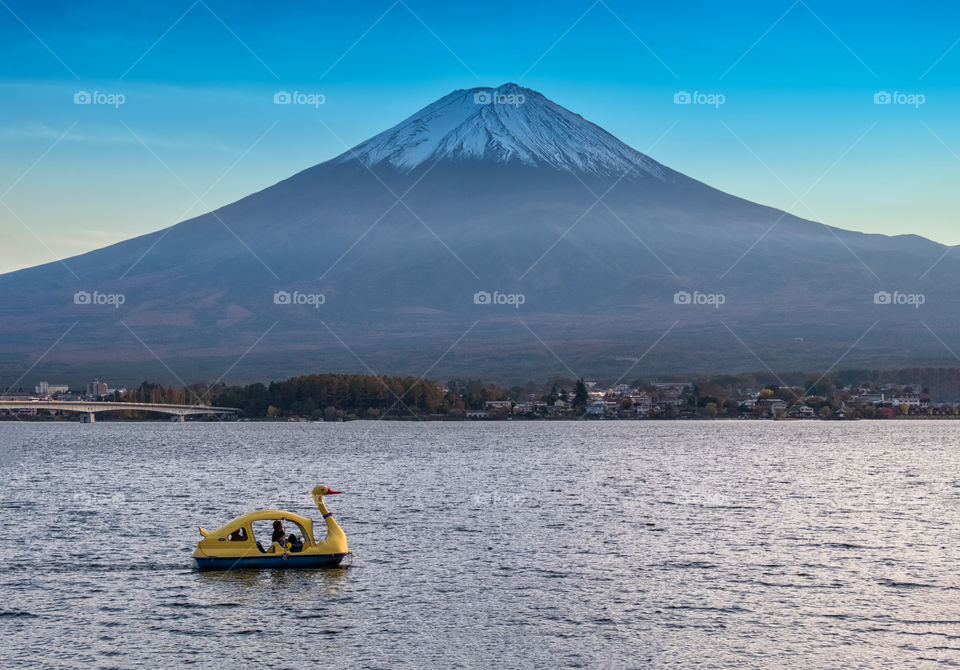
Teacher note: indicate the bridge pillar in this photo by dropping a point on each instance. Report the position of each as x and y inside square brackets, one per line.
[177, 418]
[89, 417]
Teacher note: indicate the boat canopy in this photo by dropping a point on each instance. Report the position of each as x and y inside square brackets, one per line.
[305, 524]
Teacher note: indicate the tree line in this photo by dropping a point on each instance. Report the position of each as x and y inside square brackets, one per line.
[336, 396]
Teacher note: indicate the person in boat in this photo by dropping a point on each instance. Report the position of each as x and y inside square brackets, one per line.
[239, 535]
[296, 544]
[277, 532]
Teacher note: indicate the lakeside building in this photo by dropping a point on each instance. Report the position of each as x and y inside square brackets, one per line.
[801, 412]
[47, 389]
[910, 400]
[596, 408]
[771, 406]
[96, 389]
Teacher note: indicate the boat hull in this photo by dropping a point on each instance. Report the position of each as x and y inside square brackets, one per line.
[273, 561]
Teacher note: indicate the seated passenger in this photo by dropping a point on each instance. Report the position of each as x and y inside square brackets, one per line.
[277, 532]
[238, 535]
[295, 543]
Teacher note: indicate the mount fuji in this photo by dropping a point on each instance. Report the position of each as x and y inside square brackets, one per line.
[493, 233]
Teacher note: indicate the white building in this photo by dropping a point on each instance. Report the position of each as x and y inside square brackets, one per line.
[96, 388]
[46, 388]
[908, 399]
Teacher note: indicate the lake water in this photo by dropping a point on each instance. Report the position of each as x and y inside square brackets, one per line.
[604, 544]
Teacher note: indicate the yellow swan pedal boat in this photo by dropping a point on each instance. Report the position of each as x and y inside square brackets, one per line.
[233, 546]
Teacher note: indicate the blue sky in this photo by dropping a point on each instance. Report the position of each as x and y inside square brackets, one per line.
[798, 129]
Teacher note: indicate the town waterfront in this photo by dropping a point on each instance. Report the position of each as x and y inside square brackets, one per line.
[550, 544]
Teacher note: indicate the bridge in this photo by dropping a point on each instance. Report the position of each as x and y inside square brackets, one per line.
[89, 409]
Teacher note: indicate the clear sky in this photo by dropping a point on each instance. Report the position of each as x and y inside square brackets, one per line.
[798, 128]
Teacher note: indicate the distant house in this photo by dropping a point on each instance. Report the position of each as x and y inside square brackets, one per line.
[477, 414]
[911, 400]
[771, 406]
[497, 404]
[642, 411]
[532, 407]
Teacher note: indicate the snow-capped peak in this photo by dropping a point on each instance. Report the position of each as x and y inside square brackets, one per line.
[503, 124]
